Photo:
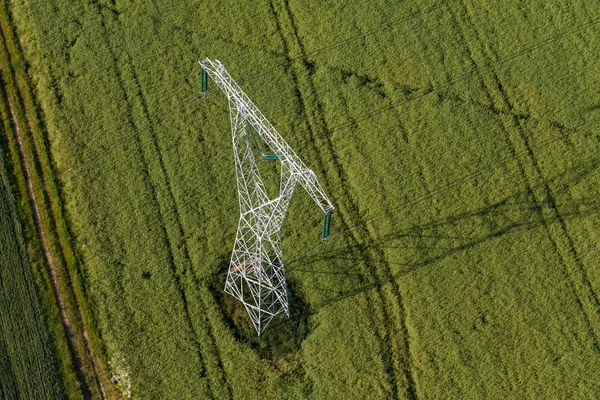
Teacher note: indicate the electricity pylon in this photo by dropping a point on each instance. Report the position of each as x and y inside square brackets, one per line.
[256, 273]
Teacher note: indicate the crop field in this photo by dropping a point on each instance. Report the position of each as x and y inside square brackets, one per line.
[27, 362]
[457, 140]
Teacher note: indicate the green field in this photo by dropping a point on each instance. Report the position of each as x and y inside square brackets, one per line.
[27, 362]
[458, 141]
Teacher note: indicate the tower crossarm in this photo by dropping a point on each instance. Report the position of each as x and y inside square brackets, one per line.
[303, 175]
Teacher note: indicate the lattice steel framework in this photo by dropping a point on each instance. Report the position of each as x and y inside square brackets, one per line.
[256, 273]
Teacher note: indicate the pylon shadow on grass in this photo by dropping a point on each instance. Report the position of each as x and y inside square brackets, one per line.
[282, 337]
[517, 212]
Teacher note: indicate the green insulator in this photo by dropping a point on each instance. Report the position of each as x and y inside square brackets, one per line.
[258, 142]
[326, 226]
[203, 81]
[270, 157]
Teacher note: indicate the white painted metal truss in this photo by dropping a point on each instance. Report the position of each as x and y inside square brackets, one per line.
[256, 274]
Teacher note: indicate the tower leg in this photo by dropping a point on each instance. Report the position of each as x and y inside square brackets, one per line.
[256, 276]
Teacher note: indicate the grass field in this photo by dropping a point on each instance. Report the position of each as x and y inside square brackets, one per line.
[458, 142]
[27, 363]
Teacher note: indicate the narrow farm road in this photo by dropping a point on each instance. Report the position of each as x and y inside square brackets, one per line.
[52, 266]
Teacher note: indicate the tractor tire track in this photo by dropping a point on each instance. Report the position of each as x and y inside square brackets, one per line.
[547, 196]
[188, 268]
[149, 184]
[171, 200]
[385, 338]
[163, 210]
[162, 224]
[163, 231]
[316, 123]
[305, 113]
[404, 360]
[403, 364]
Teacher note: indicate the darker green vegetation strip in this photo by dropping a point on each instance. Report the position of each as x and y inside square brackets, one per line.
[28, 365]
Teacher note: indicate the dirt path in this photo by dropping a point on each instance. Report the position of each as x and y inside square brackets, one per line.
[52, 268]
[78, 341]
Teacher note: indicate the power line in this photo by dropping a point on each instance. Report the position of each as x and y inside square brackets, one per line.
[368, 115]
[450, 185]
[425, 92]
[380, 110]
[385, 25]
[512, 56]
[465, 75]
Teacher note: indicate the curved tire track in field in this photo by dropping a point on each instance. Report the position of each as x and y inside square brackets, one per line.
[546, 192]
[404, 360]
[384, 338]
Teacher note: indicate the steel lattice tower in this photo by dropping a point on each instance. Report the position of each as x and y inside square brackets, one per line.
[256, 273]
